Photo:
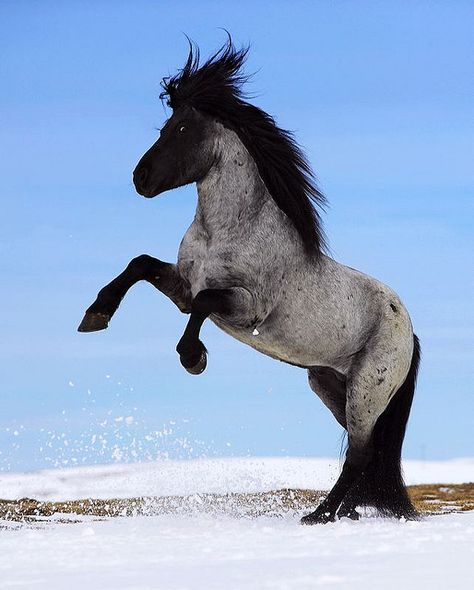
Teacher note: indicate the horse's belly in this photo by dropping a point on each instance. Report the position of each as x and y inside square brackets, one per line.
[271, 341]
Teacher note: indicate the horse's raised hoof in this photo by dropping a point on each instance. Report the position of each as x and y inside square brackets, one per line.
[93, 322]
[318, 517]
[199, 367]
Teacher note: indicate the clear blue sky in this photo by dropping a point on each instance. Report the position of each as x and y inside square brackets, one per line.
[380, 96]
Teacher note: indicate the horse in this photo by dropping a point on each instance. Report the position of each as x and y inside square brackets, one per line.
[255, 262]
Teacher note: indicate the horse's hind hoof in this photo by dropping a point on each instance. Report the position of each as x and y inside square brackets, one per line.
[317, 517]
[352, 514]
[93, 322]
[199, 367]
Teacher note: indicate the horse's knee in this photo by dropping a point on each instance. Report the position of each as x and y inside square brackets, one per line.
[142, 262]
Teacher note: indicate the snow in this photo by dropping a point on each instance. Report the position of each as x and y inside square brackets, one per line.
[214, 553]
[204, 552]
[164, 478]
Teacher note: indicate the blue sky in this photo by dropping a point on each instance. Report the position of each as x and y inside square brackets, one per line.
[380, 96]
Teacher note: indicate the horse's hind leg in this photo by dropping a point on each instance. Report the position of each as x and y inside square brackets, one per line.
[356, 459]
[381, 485]
[358, 456]
[370, 385]
[161, 275]
[330, 386]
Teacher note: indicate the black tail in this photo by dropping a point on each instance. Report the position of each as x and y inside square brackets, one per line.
[381, 484]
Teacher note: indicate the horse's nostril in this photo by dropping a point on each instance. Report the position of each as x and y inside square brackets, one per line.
[140, 175]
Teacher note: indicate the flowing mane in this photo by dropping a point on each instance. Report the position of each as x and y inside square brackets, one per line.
[215, 88]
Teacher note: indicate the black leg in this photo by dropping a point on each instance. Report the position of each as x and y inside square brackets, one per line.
[161, 275]
[192, 352]
[348, 508]
[351, 472]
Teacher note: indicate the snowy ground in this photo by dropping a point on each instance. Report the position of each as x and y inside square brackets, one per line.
[165, 478]
[203, 552]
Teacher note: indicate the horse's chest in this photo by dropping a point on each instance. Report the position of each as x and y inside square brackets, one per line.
[203, 263]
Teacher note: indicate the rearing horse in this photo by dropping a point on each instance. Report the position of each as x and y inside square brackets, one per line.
[253, 261]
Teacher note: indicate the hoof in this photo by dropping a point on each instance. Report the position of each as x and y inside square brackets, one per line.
[93, 322]
[199, 367]
[352, 514]
[317, 517]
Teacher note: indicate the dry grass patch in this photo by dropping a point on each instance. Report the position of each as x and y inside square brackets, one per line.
[432, 498]
[443, 497]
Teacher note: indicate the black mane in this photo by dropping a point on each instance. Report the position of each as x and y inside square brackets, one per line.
[215, 88]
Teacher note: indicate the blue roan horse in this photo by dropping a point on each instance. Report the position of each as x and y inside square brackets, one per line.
[253, 261]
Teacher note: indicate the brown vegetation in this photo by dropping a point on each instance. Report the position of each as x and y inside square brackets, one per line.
[428, 499]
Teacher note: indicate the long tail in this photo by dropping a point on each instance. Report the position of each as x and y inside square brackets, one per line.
[381, 484]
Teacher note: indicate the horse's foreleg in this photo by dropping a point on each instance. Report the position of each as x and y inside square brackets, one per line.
[162, 275]
[234, 301]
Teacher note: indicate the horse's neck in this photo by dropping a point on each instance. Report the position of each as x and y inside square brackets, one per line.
[232, 192]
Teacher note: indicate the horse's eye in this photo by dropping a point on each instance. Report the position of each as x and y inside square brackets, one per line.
[182, 129]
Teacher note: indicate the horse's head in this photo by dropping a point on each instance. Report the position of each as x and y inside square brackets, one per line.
[207, 98]
[183, 154]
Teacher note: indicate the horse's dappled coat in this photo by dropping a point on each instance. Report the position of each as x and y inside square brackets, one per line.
[254, 262]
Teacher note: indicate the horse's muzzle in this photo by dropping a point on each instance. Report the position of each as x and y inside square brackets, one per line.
[140, 176]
